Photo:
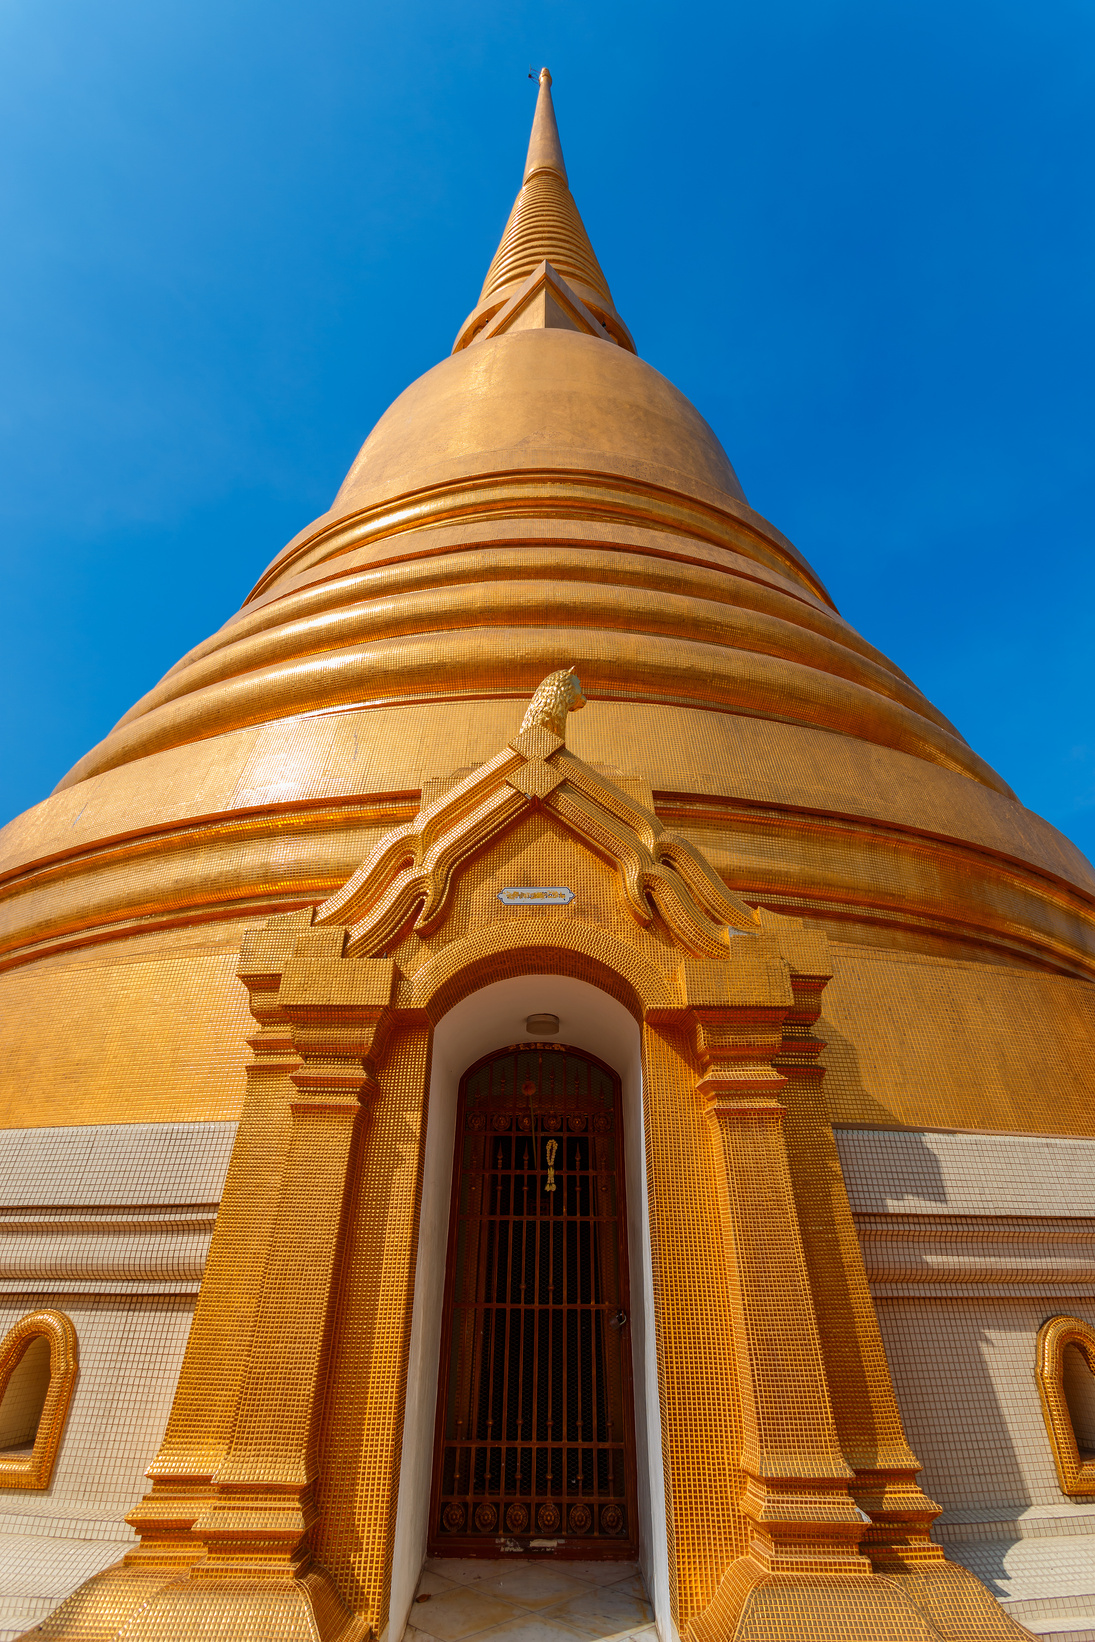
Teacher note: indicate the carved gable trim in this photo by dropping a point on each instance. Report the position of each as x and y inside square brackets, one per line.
[662, 878]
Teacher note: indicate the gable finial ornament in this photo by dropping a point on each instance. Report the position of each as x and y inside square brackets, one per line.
[411, 874]
[559, 694]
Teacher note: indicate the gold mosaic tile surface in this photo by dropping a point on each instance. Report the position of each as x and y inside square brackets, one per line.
[919, 1041]
[161, 1039]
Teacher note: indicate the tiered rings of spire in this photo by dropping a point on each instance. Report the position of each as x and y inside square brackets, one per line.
[544, 223]
[544, 497]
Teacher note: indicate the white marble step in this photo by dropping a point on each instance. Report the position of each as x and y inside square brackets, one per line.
[460, 1600]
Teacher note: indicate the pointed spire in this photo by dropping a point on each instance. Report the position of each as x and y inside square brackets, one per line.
[545, 151]
[544, 226]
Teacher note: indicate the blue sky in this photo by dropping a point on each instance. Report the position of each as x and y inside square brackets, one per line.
[858, 236]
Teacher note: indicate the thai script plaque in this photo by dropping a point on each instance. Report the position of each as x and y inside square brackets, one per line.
[553, 896]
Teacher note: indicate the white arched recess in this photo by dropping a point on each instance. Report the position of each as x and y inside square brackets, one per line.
[489, 1019]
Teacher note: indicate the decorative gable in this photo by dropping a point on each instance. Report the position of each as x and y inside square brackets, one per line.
[413, 870]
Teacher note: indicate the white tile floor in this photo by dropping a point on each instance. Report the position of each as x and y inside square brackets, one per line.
[511, 1601]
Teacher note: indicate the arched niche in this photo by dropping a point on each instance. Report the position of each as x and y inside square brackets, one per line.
[482, 1020]
[37, 1376]
[1066, 1381]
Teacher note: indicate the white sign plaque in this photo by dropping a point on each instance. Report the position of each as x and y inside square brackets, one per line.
[555, 896]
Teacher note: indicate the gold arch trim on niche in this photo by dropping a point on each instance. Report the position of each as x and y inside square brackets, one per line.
[34, 1470]
[501, 951]
[1075, 1472]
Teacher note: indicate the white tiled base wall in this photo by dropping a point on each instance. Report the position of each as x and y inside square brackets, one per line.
[111, 1226]
[971, 1242]
[130, 1354]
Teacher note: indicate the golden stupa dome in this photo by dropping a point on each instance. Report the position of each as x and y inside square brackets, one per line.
[548, 447]
[543, 498]
[531, 423]
[533, 398]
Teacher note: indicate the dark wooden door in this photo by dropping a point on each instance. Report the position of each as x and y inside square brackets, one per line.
[535, 1429]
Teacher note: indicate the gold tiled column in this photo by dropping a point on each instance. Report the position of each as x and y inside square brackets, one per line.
[367, 1376]
[697, 1378]
[801, 1572]
[207, 1397]
[868, 1423]
[756, 1485]
[215, 1364]
[305, 1336]
[339, 1012]
[796, 1496]
[256, 1575]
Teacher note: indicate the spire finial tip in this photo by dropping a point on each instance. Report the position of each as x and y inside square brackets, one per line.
[545, 152]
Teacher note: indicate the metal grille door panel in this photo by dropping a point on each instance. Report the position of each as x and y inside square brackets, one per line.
[535, 1438]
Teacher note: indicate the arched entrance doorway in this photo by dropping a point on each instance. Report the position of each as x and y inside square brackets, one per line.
[534, 1446]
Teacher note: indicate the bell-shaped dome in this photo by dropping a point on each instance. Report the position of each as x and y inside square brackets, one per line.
[540, 499]
[547, 446]
[531, 400]
[534, 421]
[534, 398]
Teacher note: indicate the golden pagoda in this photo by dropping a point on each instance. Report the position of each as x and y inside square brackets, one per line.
[547, 1089]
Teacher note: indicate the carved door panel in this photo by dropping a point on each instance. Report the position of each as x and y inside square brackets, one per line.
[535, 1431]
